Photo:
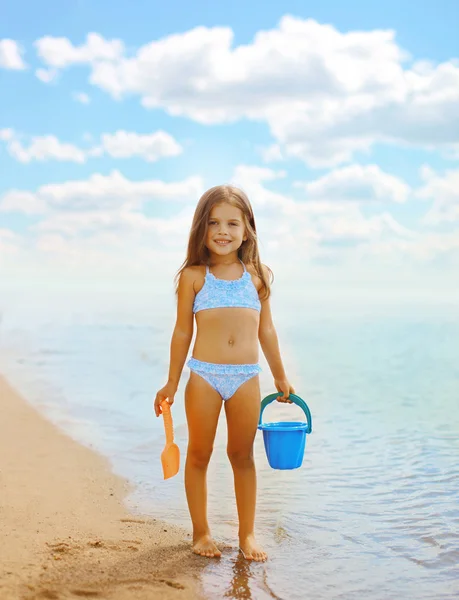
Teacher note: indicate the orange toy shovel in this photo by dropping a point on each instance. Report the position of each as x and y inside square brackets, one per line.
[170, 456]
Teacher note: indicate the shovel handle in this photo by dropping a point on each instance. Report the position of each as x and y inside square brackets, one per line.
[168, 426]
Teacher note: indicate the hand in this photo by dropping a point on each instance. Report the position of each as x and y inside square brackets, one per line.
[282, 385]
[167, 392]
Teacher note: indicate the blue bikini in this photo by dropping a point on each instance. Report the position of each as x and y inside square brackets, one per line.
[221, 293]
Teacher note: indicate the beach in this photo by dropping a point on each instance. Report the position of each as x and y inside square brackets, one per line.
[64, 528]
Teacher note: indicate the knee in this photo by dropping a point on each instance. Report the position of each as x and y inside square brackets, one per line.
[199, 457]
[241, 458]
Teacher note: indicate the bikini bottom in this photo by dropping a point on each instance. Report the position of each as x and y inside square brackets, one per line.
[224, 378]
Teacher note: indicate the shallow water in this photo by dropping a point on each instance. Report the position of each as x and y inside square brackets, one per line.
[374, 510]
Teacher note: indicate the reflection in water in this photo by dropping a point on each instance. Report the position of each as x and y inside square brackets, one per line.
[239, 584]
[248, 581]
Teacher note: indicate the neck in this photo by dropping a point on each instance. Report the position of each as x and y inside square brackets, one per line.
[223, 260]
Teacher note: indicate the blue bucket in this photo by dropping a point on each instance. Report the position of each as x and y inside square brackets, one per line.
[285, 441]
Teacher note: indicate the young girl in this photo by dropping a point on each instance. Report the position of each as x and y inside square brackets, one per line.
[224, 285]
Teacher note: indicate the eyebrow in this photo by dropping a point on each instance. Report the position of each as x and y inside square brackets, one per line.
[216, 219]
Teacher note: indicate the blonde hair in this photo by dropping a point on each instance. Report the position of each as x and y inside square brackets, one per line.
[198, 253]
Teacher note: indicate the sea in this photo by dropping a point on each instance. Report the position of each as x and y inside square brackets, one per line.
[373, 511]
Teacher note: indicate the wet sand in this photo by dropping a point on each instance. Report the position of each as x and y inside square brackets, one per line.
[65, 533]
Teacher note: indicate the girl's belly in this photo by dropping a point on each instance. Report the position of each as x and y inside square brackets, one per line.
[227, 335]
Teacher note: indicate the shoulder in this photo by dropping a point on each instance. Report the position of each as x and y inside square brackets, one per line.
[251, 269]
[193, 276]
[255, 275]
[193, 271]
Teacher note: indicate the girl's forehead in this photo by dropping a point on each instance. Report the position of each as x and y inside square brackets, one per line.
[226, 211]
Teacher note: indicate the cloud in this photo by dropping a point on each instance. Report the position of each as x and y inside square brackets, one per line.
[99, 192]
[121, 144]
[151, 147]
[444, 192]
[11, 55]
[358, 183]
[9, 243]
[312, 228]
[118, 221]
[18, 201]
[6, 135]
[272, 153]
[324, 94]
[81, 97]
[41, 148]
[46, 75]
[98, 228]
[45, 148]
[61, 53]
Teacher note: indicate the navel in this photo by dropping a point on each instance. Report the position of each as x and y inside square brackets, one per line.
[231, 341]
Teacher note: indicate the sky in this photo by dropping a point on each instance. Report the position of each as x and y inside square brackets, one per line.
[339, 120]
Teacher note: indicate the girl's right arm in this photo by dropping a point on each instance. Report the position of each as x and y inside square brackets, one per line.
[181, 338]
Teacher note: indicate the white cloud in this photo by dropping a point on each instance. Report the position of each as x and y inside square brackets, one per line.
[100, 192]
[272, 153]
[6, 134]
[423, 248]
[46, 75]
[60, 52]
[121, 144]
[117, 221]
[82, 97]
[313, 227]
[151, 147]
[9, 243]
[96, 229]
[45, 148]
[358, 183]
[325, 95]
[11, 55]
[18, 201]
[444, 192]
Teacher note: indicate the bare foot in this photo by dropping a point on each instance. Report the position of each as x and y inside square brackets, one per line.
[205, 546]
[251, 550]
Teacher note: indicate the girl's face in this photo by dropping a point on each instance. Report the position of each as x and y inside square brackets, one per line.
[225, 229]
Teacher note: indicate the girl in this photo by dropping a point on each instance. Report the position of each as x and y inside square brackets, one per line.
[223, 283]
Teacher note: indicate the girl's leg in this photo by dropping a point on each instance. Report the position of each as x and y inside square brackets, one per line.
[203, 405]
[242, 413]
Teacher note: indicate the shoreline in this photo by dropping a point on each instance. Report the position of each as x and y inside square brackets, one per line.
[65, 530]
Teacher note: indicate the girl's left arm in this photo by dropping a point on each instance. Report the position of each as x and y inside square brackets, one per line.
[270, 345]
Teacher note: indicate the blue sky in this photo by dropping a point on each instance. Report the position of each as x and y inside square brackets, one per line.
[345, 136]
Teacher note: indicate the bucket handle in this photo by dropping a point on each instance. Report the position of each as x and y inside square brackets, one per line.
[295, 399]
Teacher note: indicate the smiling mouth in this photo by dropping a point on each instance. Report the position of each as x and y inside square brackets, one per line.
[222, 243]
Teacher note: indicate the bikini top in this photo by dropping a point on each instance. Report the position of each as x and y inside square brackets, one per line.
[220, 293]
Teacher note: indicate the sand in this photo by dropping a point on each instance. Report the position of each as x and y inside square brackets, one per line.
[64, 530]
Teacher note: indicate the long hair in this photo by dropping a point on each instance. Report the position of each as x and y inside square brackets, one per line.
[198, 253]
